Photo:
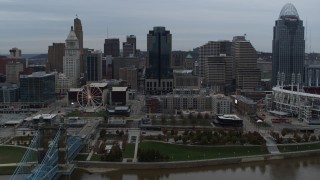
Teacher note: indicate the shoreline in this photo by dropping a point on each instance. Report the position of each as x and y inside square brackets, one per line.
[101, 167]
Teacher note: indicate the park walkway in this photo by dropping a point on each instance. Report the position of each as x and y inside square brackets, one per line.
[270, 143]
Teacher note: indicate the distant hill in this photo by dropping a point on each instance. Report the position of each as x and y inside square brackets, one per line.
[39, 56]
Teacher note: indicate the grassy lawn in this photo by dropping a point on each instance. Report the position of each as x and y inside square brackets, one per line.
[303, 147]
[7, 170]
[95, 157]
[11, 154]
[129, 151]
[182, 152]
[81, 157]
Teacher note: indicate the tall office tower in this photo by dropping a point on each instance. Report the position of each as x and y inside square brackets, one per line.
[177, 59]
[55, 57]
[219, 72]
[3, 61]
[13, 70]
[37, 89]
[130, 75]
[159, 76]
[71, 59]
[245, 70]
[15, 53]
[288, 45]
[112, 47]
[15, 56]
[121, 62]
[93, 64]
[212, 48]
[130, 46]
[79, 33]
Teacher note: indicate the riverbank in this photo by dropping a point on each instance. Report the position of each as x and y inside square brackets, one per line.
[97, 167]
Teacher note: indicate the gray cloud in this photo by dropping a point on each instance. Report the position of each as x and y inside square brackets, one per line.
[32, 25]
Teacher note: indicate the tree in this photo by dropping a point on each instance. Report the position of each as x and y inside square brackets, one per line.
[115, 154]
[313, 138]
[163, 118]
[206, 116]
[204, 140]
[306, 137]
[103, 133]
[176, 138]
[199, 116]
[283, 132]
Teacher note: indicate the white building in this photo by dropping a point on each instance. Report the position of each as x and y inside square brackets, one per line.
[71, 59]
[221, 104]
[63, 83]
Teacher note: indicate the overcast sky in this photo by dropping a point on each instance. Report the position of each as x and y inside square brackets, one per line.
[33, 25]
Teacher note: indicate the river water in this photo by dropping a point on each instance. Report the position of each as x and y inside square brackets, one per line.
[292, 169]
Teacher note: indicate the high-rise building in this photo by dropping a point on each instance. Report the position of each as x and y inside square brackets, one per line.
[3, 61]
[120, 62]
[55, 57]
[93, 65]
[212, 48]
[13, 69]
[245, 70]
[159, 75]
[218, 72]
[37, 89]
[79, 33]
[15, 53]
[177, 59]
[130, 75]
[71, 59]
[288, 45]
[112, 47]
[9, 93]
[129, 47]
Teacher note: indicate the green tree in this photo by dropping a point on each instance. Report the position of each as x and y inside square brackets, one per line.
[103, 133]
[115, 154]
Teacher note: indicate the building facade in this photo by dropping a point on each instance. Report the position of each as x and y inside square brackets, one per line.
[120, 62]
[288, 45]
[93, 65]
[13, 69]
[159, 75]
[79, 33]
[55, 57]
[129, 74]
[37, 89]
[9, 93]
[212, 48]
[129, 47]
[245, 71]
[112, 47]
[71, 59]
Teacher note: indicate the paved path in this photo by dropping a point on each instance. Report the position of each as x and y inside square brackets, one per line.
[271, 144]
[134, 136]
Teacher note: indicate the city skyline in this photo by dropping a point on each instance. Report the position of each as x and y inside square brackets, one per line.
[191, 23]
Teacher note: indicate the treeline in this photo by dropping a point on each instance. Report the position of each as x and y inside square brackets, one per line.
[151, 155]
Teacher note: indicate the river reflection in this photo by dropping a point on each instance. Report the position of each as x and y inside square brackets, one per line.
[294, 169]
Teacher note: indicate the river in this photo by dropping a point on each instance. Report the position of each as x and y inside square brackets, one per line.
[292, 169]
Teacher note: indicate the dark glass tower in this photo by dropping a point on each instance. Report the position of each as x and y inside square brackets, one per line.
[288, 45]
[159, 54]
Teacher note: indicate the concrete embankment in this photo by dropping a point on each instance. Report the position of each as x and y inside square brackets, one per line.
[97, 166]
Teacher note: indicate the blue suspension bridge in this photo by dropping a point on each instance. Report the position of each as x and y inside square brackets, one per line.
[48, 155]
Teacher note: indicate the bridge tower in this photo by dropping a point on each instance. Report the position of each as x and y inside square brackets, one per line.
[47, 134]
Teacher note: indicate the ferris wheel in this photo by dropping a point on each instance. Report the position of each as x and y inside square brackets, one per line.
[90, 97]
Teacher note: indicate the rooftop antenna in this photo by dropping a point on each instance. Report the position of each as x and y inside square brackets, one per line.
[107, 32]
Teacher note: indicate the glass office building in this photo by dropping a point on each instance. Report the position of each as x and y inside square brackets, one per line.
[37, 89]
[288, 45]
